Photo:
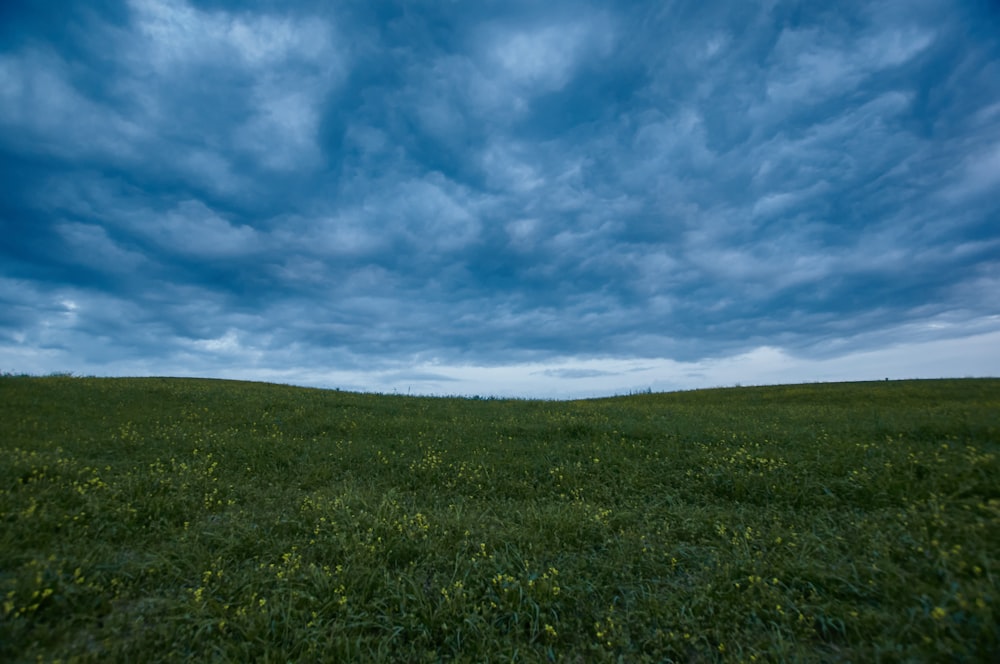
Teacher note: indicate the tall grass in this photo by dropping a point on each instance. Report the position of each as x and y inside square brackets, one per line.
[169, 519]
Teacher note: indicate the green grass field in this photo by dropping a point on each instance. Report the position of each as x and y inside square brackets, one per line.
[175, 519]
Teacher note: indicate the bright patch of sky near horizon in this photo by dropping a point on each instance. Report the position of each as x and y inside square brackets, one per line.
[534, 199]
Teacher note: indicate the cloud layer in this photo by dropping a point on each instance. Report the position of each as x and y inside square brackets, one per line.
[557, 198]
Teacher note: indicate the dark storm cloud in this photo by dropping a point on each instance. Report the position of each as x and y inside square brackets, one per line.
[292, 187]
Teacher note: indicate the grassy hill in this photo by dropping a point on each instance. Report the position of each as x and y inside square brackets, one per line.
[169, 519]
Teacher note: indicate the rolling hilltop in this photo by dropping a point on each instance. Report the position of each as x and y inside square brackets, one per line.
[162, 519]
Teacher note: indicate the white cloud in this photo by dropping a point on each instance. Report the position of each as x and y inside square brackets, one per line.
[282, 130]
[44, 111]
[812, 65]
[178, 33]
[92, 247]
[834, 150]
[893, 47]
[227, 344]
[978, 174]
[523, 233]
[267, 39]
[210, 169]
[351, 233]
[194, 229]
[772, 204]
[533, 59]
[716, 44]
[508, 167]
[433, 212]
[371, 141]
[292, 64]
[543, 57]
[173, 29]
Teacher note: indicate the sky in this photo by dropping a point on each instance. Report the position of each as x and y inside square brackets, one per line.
[538, 199]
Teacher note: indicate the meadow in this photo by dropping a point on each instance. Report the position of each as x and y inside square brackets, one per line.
[179, 519]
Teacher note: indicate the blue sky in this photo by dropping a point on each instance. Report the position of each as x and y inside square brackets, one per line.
[551, 199]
